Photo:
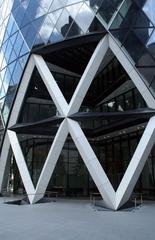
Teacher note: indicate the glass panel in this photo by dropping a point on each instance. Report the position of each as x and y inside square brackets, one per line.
[24, 49]
[23, 60]
[117, 22]
[96, 26]
[34, 10]
[146, 59]
[0, 81]
[55, 15]
[14, 28]
[13, 56]
[94, 4]
[106, 10]
[64, 22]
[140, 3]
[24, 3]
[46, 29]
[73, 9]
[57, 4]
[84, 17]
[142, 20]
[138, 53]
[17, 73]
[73, 1]
[139, 101]
[18, 44]
[120, 103]
[56, 36]
[6, 80]
[30, 36]
[38, 40]
[45, 4]
[10, 25]
[149, 8]
[5, 36]
[148, 73]
[13, 38]
[15, 4]
[74, 30]
[143, 34]
[1, 57]
[11, 67]
[2, 92]
[129, 103]
[125, 8]
[18, 15]
[26, 20]
[151, 44]
[152, 87]
[8, 51]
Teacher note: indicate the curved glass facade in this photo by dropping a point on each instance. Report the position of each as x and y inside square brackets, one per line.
[66, 33]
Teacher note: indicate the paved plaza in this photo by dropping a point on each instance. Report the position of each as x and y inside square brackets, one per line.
[75, 220]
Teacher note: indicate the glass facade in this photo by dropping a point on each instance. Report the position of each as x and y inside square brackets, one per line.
[66, 33]
[134, 26]
[113, 140]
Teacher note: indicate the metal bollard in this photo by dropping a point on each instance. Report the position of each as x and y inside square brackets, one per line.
[135, 203]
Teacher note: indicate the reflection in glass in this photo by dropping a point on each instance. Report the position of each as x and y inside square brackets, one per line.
[57, 4]
[13, 56]
[148, 8]
[73, 9]
[106, 10]
[55, 36]
[2, 91]
[74, 30]
[46, 29]
[84, 17]
[6, 80]
[18, 43]
[17, 73]
[55, 15]
[64, 23]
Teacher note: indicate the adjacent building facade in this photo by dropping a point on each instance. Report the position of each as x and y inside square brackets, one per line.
[77, 98]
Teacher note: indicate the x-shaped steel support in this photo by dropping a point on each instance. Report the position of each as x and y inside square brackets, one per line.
[111, 198]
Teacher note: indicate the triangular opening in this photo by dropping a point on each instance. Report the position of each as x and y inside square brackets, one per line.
[112, 114]
[38, 104]
[112, 88]
[115, 150]
[66, 80]
[145, 186]
[67, 65]
[37, 124]
[71, 177]
[35, 150]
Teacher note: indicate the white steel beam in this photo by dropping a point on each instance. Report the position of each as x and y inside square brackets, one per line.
[3, 160]
[136, 164]
[51, 161]
[21, 92]
[88, 76]
[93, 165]
[51, 85]
[24, 173]
[131, 70]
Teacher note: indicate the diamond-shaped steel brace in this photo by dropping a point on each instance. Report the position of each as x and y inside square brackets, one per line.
[111, 198]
